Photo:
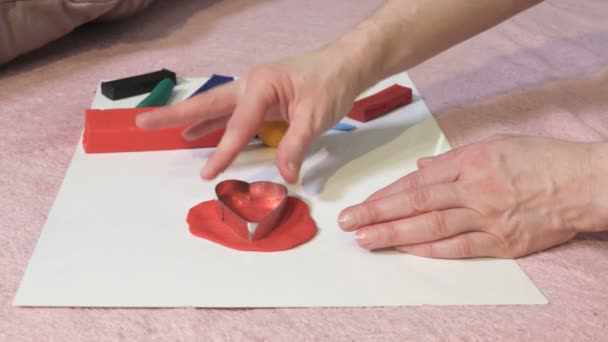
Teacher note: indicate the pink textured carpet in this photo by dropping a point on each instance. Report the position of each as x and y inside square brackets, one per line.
[544, 72]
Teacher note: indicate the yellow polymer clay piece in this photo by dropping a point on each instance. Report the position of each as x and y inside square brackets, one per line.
[272, 132]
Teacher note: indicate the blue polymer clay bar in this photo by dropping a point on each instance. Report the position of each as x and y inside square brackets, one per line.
[341, 126]
[213, 82]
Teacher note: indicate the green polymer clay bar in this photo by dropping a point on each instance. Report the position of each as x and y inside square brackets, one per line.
[160, 95]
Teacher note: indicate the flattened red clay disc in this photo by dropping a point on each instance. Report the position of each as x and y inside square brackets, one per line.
[297, 227]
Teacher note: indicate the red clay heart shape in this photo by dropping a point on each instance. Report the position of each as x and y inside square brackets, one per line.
[252, 210]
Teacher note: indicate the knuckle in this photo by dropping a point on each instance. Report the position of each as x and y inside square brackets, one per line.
[316, 112]
[497, 196]
[521, 246]
[260, 72]
[325, 122]
[412, 181]
[510, 243]
[463, 248]
[390, 233]
[299, 139]
[436, 224]
[302, 123]
[450, 155]
[212, 100]
[454, 155]
[370, 213]
[430, 250]
[307, 131]
[420, 199]
[178, 111]
[513, 250]
[488, 187]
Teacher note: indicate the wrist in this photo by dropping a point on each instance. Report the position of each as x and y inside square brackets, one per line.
[598, 175]
[360, 52]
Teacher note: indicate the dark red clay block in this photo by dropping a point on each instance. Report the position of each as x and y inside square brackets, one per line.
[381, 103]
[114, 130]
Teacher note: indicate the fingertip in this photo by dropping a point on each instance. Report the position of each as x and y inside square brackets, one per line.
[290, 157]
[142, 120]
[207, 173]
[189, 137]
[347, 220]
[154, 119]
[187, 134]
[367, 238]
[286, 164]
[290, 171]
[224, 154]
[191, 133]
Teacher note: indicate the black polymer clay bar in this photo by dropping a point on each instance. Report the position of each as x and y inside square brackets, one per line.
[135, 85]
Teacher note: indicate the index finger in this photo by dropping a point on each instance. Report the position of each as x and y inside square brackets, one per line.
[401, 205]
[215, 103]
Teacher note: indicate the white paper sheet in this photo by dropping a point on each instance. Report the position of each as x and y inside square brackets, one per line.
[117, 237]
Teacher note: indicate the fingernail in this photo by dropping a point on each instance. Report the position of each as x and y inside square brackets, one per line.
[347, 220]
[206, 172]
[366, 238]
[140, 120]
[291, 169]
[187, 136]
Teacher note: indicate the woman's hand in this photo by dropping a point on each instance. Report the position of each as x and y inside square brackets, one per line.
[314, 91]
[311, 92]
[504, 197]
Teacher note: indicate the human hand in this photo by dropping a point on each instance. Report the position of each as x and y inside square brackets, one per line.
[504, 197]
[310, 92]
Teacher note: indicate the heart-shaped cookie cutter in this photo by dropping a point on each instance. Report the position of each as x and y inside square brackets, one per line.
[252, 210]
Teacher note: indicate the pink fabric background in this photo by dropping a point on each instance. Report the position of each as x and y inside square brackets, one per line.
[544, 72]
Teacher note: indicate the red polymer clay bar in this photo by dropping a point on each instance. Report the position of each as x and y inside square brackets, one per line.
[381, 103]
[114, 130]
